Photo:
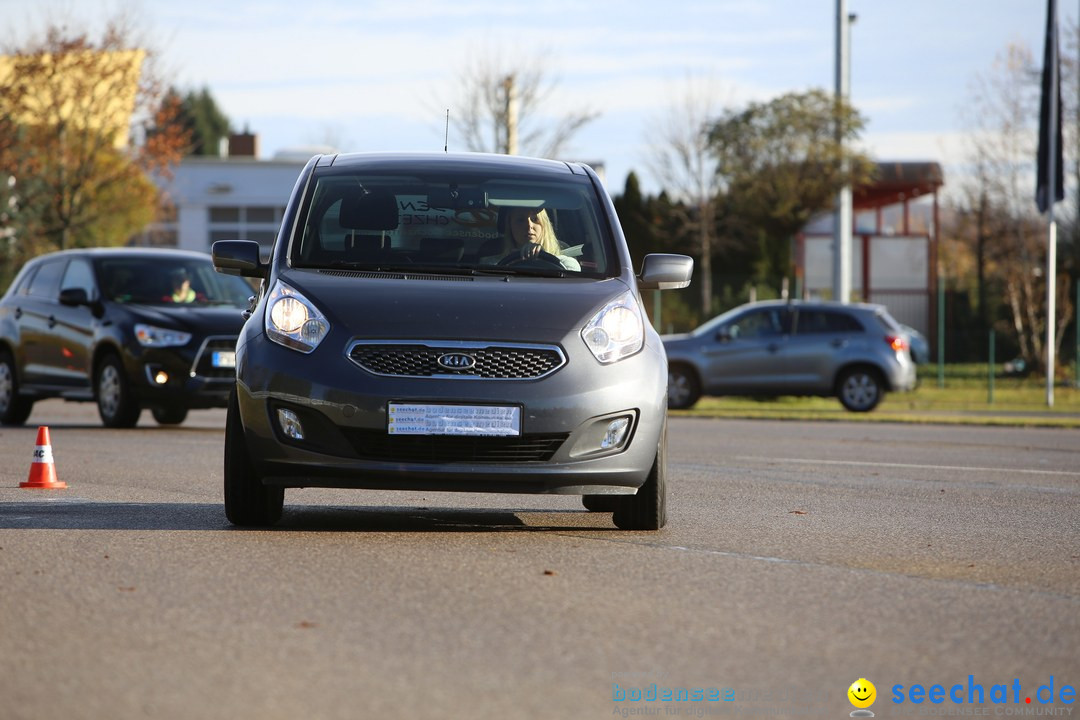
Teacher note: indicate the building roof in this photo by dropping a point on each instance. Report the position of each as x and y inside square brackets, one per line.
[895, 182]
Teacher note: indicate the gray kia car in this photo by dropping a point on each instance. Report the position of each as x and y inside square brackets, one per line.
[449, 322]
[855, 352]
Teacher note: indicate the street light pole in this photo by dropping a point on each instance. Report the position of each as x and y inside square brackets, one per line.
[842, 231]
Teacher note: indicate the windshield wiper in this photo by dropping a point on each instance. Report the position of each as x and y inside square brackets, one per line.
[523, 271]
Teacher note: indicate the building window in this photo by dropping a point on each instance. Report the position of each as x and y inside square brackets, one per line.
[257, 222]
[225, 214]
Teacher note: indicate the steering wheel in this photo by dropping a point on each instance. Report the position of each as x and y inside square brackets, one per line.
[541, 257]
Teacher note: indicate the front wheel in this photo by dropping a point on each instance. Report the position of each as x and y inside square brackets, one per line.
[172, 415]
[116, 400]
[13, 409]
[683, 387]
[860, 389]
[648, 509]
[247, 501]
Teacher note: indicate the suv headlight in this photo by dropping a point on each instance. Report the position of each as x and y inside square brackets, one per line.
[150, 336]
[616, 331]
[292, 320]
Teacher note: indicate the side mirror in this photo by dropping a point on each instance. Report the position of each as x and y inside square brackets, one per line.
[238, 257]
[664, 271]
[74, 297]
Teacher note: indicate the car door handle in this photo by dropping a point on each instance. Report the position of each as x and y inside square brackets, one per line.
[838, 343]
[772, 347]
[52, 321]
[18, 313]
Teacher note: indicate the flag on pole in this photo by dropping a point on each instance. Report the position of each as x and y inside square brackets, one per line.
[1050, 141]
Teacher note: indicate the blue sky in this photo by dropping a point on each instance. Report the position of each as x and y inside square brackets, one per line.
[375, 75]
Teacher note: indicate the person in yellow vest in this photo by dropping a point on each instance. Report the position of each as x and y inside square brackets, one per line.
[182, 292]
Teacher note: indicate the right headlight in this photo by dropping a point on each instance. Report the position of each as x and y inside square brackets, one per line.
[616, 330]
[292, 320]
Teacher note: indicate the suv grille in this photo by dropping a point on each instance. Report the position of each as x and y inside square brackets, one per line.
[463, 360]
[378, 445]
[204, 360]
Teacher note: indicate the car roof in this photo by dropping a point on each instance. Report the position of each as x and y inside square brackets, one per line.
[428, 161]
[816, 304]
[99, 252]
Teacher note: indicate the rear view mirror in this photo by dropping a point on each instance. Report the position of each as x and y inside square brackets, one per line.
[238, 257]
[74, 297]
[664, 271]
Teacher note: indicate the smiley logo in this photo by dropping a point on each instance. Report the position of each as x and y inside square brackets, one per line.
[862, 693]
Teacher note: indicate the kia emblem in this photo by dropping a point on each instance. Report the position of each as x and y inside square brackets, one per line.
[457, 361]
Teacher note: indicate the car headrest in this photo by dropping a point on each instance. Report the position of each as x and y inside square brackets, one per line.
[371, 211]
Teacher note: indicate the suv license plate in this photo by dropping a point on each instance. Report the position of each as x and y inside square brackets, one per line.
[223, 359]
[424, 419]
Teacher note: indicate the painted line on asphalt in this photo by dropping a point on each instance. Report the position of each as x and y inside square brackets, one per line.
[820, 565]
[857, 463]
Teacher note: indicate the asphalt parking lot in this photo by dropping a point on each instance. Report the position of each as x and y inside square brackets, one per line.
[799, 558]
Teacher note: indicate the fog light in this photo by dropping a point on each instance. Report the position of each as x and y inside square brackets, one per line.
[161, 377]
[290, 424]
[616, 433]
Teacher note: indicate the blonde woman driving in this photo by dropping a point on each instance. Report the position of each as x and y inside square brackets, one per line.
[531, 232]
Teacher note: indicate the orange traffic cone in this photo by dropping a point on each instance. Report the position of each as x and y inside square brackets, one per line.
[42, 470]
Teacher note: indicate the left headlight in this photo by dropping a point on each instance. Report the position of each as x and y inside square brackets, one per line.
[292, 320]
[616, 330]
[150, 336]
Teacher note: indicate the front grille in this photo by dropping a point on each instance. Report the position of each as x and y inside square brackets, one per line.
[437, 449]
[489, 362]
[204, 361]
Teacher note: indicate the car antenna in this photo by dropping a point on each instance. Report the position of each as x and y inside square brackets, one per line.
[446, 137]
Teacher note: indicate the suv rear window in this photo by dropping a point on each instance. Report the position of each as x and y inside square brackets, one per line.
[404, 223]
[826, 321]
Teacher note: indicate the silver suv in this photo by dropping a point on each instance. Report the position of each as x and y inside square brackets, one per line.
[855, 352]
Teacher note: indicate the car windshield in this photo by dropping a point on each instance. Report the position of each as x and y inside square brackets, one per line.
[453, 224]
[168, 281]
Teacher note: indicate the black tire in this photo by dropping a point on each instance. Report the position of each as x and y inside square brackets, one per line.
[648, 509]
[860, 389]
[600, 503]
[248, 503]
[173, 415]
[13, 409]
[683, 387]
[117, 405]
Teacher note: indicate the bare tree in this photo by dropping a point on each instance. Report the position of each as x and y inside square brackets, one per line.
[998, 195]
[681, 158]
[503, 108]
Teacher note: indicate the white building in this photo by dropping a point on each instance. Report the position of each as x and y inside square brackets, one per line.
[235, 197]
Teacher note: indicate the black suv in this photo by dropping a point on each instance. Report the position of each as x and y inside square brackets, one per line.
[127, 328]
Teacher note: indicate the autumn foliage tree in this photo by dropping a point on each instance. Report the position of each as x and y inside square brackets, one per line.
[84, 123]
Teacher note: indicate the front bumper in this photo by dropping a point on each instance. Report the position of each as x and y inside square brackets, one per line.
[343, 410]
[194, 377]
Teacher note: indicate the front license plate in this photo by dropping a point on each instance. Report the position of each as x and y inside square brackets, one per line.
[223, 359]
[425, 419]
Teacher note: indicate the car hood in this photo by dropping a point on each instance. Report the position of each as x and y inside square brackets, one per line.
[200, 319]
[516, 309]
